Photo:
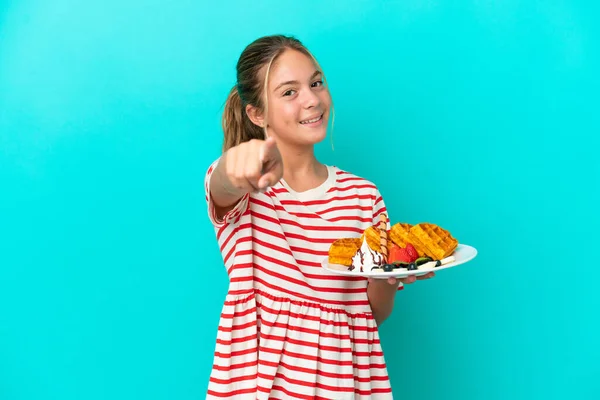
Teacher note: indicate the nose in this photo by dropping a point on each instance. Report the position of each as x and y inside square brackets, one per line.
[310, 99]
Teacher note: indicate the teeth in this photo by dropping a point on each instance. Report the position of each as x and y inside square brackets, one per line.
[310, 121]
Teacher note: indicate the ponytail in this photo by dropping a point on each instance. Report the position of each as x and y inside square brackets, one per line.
[237, 126]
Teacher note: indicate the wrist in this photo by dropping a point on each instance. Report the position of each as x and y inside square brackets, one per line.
[225, 182]
[384, 285]
[230, 189]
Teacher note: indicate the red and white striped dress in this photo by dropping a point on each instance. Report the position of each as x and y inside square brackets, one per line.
[289, 329]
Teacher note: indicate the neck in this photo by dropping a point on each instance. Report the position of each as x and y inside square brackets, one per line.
[302, 170]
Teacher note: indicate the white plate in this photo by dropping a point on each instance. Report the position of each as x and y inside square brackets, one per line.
[462, 254]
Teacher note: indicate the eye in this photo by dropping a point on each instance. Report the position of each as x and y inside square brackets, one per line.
[317, 83]
[289, 92]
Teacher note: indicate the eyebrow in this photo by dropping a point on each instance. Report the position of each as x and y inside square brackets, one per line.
[315, 74]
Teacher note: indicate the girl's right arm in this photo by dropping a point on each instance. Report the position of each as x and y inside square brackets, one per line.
[248, 167]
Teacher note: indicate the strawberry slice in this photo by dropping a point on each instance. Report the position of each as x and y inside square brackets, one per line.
[412, 252]
[398, 253]
[393, 255]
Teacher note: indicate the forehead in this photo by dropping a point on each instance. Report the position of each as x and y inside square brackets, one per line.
[292, 65]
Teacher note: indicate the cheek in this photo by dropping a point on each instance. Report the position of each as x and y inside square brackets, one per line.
[283, 115]
[325, 99]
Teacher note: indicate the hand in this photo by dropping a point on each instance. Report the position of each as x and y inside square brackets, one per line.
[407, 280]
[254, 166]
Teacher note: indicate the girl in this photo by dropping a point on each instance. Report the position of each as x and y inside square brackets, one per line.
[289, 329]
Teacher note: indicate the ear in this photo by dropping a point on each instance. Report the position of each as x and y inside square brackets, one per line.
[255, 115]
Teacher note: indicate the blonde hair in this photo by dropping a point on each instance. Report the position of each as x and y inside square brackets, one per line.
[249, 89]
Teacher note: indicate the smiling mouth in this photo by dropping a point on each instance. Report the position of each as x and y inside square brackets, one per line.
[312, 120]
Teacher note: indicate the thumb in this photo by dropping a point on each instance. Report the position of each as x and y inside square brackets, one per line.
[272, 172]
[267, 180]
[267, 150]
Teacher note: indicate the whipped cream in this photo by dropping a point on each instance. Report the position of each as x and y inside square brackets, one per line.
[366, 258]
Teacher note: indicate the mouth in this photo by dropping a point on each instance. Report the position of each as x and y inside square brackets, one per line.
[313, 120]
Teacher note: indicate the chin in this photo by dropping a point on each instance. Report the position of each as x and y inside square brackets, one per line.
[321, 136]
[314, 137]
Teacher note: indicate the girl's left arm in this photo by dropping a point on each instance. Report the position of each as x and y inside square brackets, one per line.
[381, 294]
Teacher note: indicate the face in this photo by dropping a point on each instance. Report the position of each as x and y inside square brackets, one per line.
[298, 101]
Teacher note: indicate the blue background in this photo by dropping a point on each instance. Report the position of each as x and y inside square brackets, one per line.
[480, 116]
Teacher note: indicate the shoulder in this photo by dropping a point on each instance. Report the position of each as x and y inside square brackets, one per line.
[361, 190]
[347, 179]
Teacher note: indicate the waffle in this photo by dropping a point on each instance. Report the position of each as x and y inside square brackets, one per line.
[436, 242]
[342, 250]
[401, 235]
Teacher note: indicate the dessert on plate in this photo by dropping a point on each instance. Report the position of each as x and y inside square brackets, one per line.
[412, 247]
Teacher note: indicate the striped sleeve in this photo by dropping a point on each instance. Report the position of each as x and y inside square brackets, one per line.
[232, 216]
[379, 208]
